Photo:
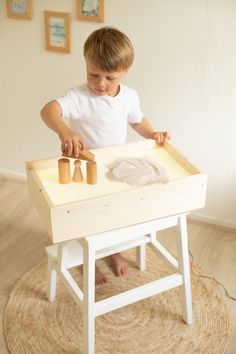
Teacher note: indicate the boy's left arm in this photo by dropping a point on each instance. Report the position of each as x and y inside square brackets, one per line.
[145, 129]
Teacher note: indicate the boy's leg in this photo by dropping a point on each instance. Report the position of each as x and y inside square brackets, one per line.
[120, 264]
[120, 267]
[100, 278]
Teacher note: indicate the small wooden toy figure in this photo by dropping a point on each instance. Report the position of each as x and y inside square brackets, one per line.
[77, 176]
[64, 171]
[91, 169]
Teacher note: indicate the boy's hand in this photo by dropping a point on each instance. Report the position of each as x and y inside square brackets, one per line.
[160, 137]
[145, 129]
[70, 142]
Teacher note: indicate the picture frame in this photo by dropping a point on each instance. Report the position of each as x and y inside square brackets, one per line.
[19, 9]
[57, 31]
[90, 10]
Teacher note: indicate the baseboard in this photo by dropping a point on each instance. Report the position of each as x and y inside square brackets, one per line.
[19, 177]
[213, 222]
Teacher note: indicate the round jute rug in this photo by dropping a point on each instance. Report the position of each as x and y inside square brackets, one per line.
[154, 325]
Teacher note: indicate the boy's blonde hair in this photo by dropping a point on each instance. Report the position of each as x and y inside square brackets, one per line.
[109, 49]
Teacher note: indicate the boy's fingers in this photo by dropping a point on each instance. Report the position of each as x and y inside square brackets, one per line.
[68, 148]
[64, 147]
[154, 135]
[163, 137]
[81, 145]
[72, 147]
[76, 149]
[167, 135]
[160, 137]
[77, 146]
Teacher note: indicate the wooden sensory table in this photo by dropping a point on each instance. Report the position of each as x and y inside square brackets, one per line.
[87, 222]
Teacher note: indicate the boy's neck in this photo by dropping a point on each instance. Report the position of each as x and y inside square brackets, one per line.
[117, 92]
[111, 95]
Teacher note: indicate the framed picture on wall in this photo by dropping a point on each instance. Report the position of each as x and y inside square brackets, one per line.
[90, 10]
[19, 9]
[57, 31]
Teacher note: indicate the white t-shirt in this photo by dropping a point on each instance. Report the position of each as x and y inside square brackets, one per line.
[101, 120]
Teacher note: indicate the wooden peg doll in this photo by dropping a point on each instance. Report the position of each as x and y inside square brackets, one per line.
[77, 176]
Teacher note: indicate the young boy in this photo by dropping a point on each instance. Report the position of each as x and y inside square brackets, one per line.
[100, 110]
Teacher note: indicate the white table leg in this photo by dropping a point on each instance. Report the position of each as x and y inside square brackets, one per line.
[89, 297]
[141, 257]
[51, 281]
[91, 245]
[183, 260]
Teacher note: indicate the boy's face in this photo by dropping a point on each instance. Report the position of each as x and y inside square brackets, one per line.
[101, 82]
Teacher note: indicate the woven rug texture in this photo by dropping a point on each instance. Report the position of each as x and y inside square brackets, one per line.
[154, 325]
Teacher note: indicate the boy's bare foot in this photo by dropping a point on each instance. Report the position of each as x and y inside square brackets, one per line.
[119, 264]
[100, 278]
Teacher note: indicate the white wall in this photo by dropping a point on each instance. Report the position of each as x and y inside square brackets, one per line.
[184, 71]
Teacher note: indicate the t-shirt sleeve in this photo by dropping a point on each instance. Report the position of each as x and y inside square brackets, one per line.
[70, 104]
[135, 115]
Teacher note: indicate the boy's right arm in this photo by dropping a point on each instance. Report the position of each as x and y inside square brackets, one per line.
[52, 117]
